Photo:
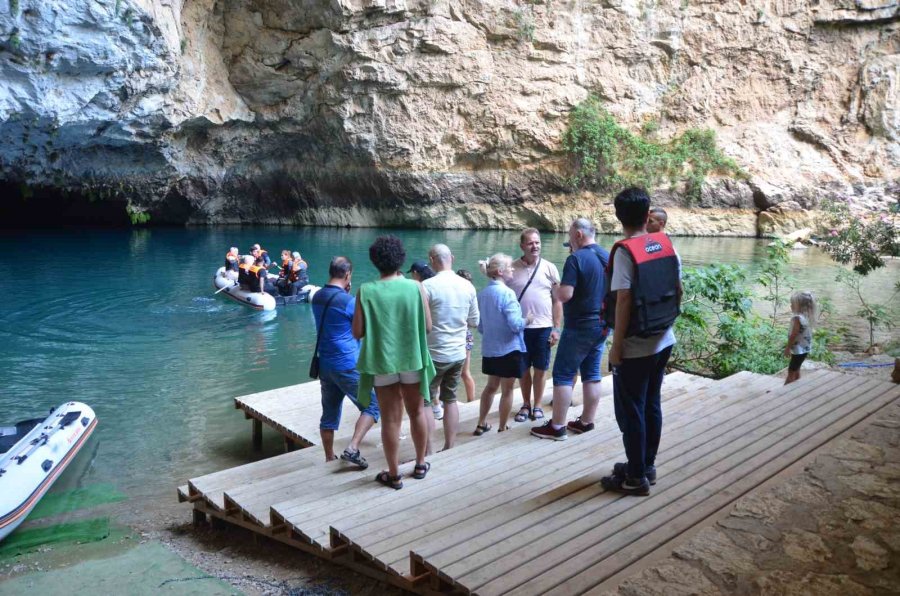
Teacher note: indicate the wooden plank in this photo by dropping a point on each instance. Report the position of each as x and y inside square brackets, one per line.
[735, 413]
[386, 537]
[445, 529]
[303, 506]
[737, 482]
[625, 520]
[406, 521]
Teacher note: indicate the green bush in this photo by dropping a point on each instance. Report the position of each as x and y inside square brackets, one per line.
[720, 334]
[609, 156]
[861, 241]
[137, 216]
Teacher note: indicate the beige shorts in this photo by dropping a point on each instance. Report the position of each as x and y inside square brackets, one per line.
[407, 378]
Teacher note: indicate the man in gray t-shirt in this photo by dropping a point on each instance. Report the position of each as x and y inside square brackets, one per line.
[642, 339]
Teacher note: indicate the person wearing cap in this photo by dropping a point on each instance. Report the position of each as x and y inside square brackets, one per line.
[535, 281]
[581, 290]
[421, 270]
[453, 303]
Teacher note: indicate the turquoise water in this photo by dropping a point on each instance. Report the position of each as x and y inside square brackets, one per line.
[127, 322]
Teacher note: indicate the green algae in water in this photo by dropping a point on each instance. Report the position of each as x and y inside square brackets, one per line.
[74, 500]
[78, 532]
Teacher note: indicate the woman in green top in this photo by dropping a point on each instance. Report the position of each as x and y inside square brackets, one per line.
[392, 319]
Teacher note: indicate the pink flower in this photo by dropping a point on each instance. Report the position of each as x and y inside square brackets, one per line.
[834, 233]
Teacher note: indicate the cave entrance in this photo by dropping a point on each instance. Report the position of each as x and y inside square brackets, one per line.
[26, 207]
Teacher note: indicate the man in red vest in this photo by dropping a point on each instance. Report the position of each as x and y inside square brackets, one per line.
[643, 301]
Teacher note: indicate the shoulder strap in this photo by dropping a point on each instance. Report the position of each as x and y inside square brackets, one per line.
[318, 333]
[530, 279]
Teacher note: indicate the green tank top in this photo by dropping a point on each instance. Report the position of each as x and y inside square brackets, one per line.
[395, 338]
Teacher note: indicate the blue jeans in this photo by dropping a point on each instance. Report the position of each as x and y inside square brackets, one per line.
[636, 387]
[335, 385]
[580, 350]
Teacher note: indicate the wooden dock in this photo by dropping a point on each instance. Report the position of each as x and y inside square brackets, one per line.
[508, 513]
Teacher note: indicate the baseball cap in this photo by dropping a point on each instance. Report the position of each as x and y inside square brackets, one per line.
[418, 266]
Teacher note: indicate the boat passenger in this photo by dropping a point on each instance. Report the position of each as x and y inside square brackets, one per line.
[232, 260]
[298, 278]
[247, 276]
[258, 252]
[284, 274]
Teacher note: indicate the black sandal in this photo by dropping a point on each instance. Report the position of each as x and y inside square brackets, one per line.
[420, 470]
[386, 479]
[523, 414]
[481, 429]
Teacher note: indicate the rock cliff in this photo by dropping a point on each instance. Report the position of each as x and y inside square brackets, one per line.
[444, 113]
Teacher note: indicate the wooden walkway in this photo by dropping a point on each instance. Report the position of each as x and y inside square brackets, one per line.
[508, 513]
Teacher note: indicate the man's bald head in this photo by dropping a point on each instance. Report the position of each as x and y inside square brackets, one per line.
[441, 257]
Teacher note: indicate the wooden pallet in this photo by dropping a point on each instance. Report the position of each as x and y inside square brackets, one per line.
[509, 513]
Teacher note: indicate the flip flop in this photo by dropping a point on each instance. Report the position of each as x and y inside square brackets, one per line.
[386, 479]
[481, 429]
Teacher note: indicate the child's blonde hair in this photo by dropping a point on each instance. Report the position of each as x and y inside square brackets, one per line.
[495, 265]
[804, 303]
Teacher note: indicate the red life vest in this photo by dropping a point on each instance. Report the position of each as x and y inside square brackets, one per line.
[654, 284]
[285, 268]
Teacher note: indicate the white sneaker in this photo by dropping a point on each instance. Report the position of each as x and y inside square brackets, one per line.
[438, 411]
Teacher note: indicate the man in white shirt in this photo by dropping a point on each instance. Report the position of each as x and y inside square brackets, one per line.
[535, 281]
[454, 308]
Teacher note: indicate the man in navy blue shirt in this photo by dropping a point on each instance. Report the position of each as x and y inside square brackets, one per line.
[581, 290]
[338, 352]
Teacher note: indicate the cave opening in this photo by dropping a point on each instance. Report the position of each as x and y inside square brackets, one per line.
[27, 207]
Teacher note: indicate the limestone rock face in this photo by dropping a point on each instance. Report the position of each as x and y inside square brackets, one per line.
[446, 113]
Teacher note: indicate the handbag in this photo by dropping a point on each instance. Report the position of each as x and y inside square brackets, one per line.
[314, 363]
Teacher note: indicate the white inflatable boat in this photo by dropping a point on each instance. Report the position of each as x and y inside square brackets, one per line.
[34, 453]
[258, 300]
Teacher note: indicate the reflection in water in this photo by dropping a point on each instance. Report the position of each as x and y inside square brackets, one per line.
[127, 322]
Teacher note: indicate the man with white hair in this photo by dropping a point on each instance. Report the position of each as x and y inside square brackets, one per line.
[454, 308]
[232, 262]
[581, 290]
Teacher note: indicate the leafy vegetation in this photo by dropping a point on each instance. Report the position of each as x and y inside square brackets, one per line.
[609, 156]
[524, 25]
[14, 7]
[719, 332]
[137, 216]
[861, 241]
[876, 314]
[15, 40]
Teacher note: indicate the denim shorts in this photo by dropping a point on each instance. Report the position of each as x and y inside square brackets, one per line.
[537, 348]
[336, 384]
[579, 351]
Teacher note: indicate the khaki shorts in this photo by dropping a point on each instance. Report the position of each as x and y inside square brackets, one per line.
[446, 379]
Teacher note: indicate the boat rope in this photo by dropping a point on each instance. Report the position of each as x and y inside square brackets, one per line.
[865, 365]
